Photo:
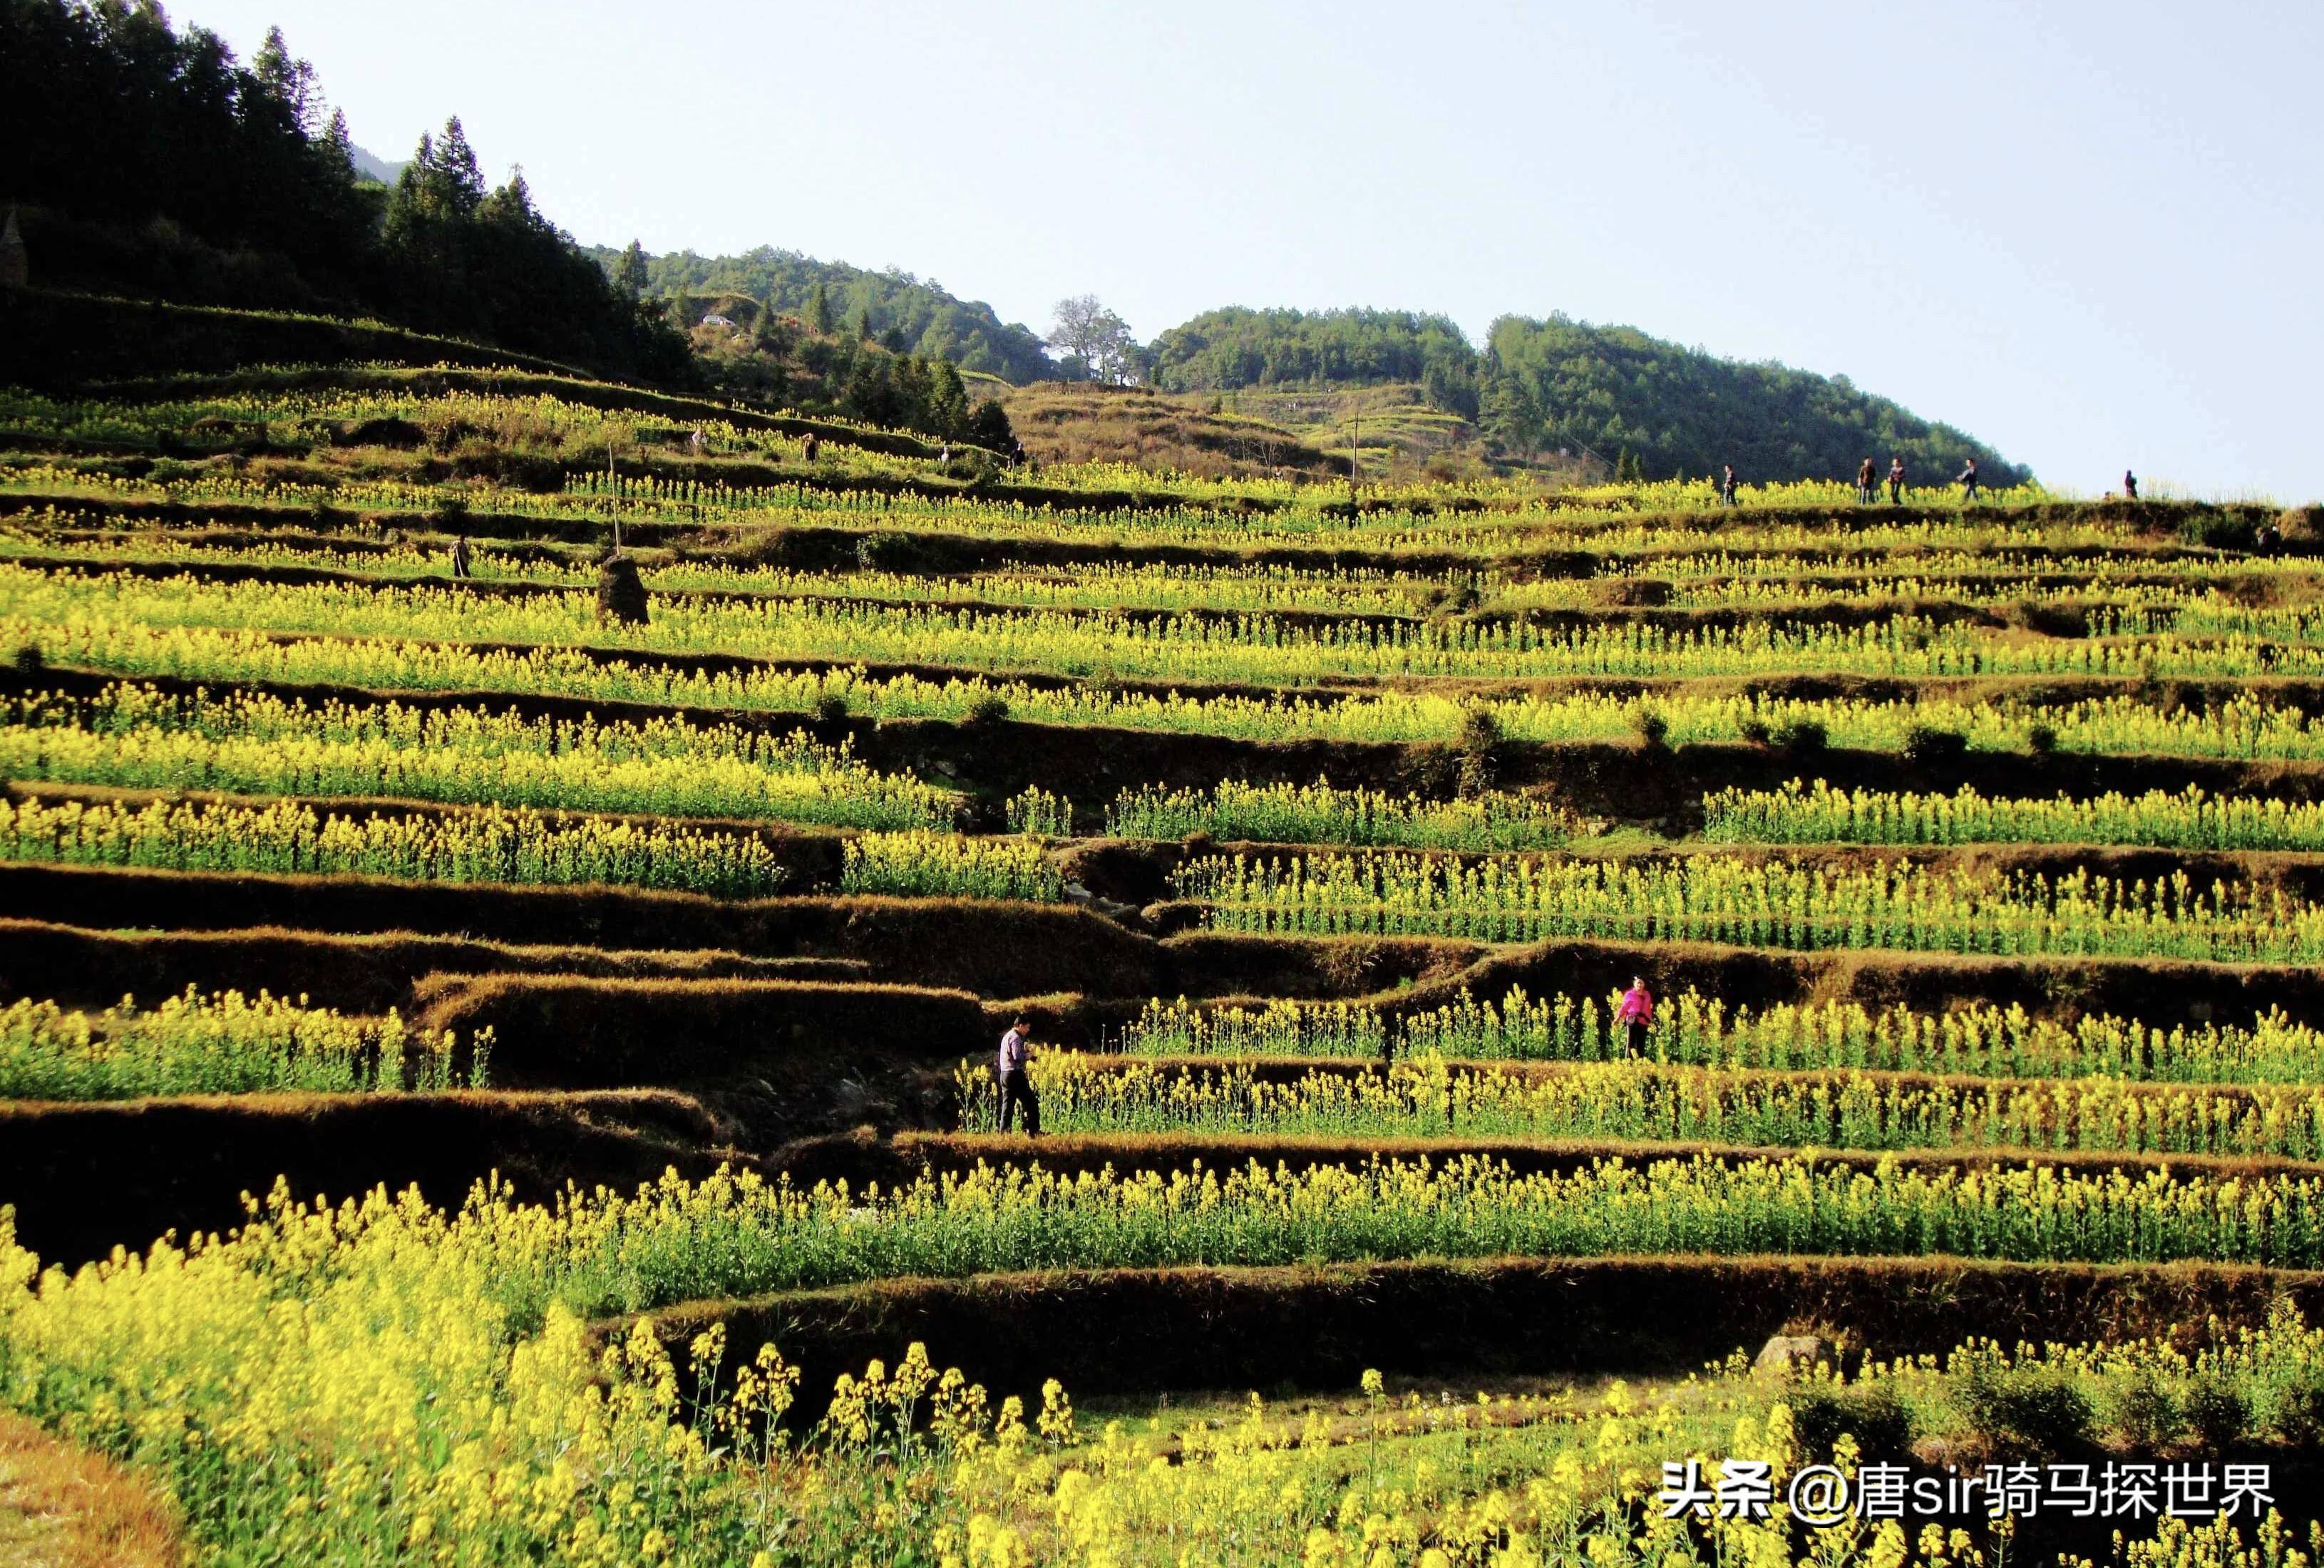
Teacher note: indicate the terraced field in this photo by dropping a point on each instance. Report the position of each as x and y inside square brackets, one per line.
[646, 974]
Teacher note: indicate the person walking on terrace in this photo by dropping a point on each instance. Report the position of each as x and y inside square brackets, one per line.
[2129, 485]
[1866, 491]
[1896, 482]
[1967, 480]
[1016, 1086]
[460, 556]
[1727, 484]
[1635, 1016]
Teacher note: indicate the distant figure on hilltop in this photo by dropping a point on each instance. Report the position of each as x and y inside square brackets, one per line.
[1896, 482]
[1864, 490]
[1967, 480]
[1727, 485]
[2130, 485]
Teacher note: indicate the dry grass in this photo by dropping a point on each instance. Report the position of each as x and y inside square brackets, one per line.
[1066, 422]
[62, 1506]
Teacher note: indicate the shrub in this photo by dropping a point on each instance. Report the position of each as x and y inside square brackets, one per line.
[1756, 732]
[831, 707]
[30, 659]
[2033, 1413]
[986, 711]
[2145, 1414]
[1925, 745]
[2040, 738]
[1873, 1414]
[1651, 728]
[1804, 738]
[2218, 1415]
[2299, 1415]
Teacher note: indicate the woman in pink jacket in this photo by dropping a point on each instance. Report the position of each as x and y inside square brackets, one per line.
[1636, 1014]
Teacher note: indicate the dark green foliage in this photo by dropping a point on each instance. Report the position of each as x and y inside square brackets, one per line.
[2299, 1417]
[2146, 1415]
[988, 427]
[1873, 1414]
[987, 711]
[156, 164]
[2041, 739]
[830, 708]
[1649, 725]
[2031, 1412]
[1925, 745]
[1803, 738]
[926, 319]
[1224, 350]
[2218, 1415]
[1756, 732]
[30, 659]
[110, 116]
[1606, 390]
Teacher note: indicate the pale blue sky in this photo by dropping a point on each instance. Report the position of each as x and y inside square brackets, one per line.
[2088, 233]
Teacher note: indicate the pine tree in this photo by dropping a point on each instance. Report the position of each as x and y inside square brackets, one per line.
[630, 273]
[947, 399]
[818, 310]
[457, 177]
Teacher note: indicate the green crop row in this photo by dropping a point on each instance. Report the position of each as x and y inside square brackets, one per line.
[1756, 904]
[1318, 813]
[259, 744]
[2191, 819]
[1980, 1039]
[1252, 649]
[222, 1043]
[2245, 727]
[1648, 1102]
[487, 845]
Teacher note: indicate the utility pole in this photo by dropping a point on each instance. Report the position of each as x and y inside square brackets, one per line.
[614, 491]
[1355, 442]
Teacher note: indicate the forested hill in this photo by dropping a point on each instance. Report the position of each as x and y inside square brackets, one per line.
[909, 315]
[1236, 348]
[1635, 402]
[153, 164]
[1613, 390]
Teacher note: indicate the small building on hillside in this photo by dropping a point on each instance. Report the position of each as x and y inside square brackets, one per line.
[16, 262]
[715, 320]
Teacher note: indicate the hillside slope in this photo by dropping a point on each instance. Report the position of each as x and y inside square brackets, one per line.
[1679, 411]
[1555, 391]
[909, 315]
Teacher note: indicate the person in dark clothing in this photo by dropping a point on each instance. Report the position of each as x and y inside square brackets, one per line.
[460, 556]
[1727, 484]
[1016, 1086]
[1896, 482]
[813, 446]
[1864, 489]
[2130, 485]
[1967, 480]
